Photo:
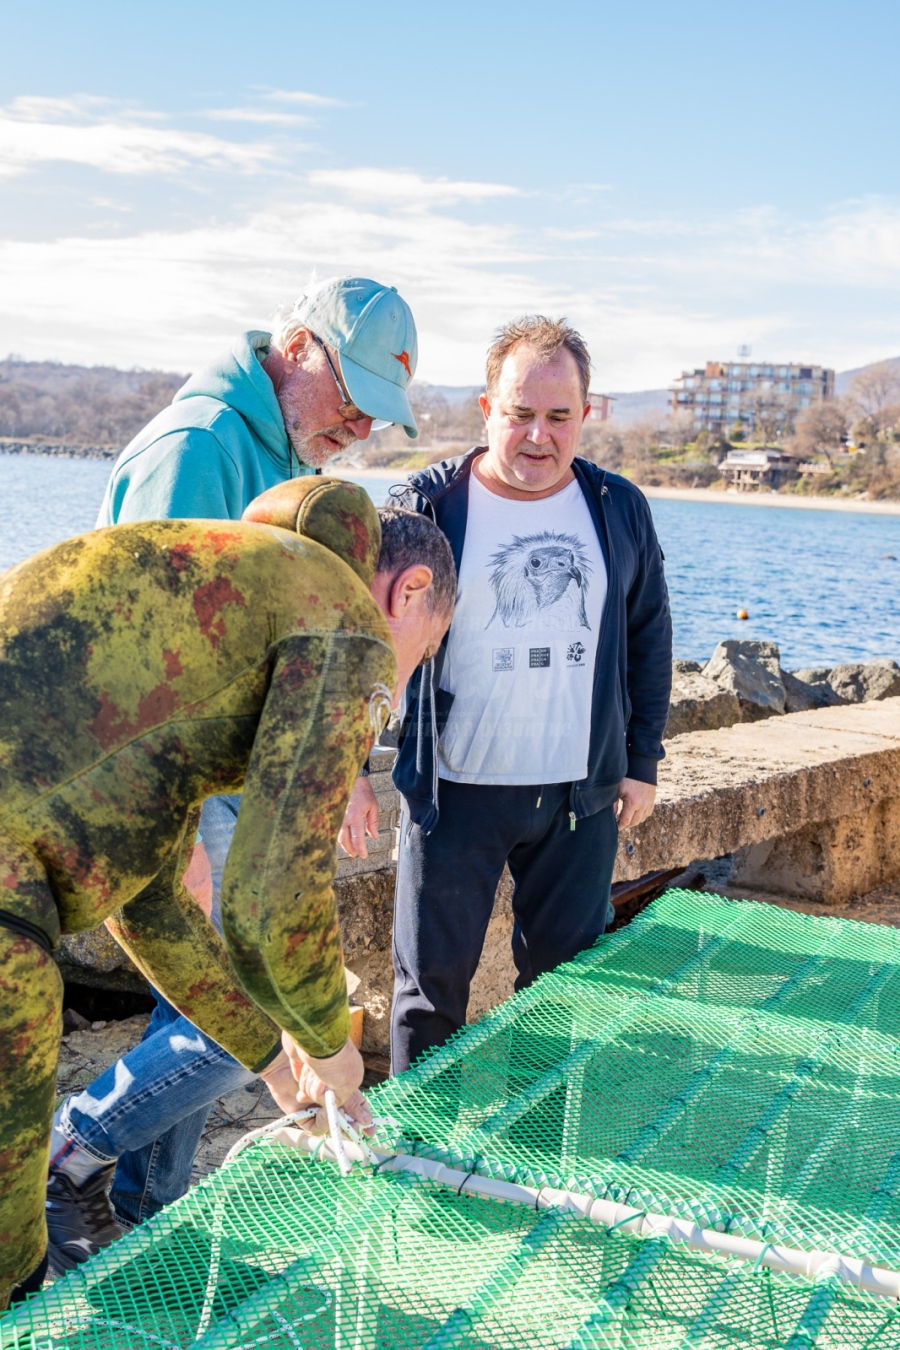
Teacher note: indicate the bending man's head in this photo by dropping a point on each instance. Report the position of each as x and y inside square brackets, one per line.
[414, 586]
[402, 557]
[342, 358]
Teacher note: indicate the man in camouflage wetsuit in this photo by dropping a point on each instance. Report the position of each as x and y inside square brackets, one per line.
[142, 668]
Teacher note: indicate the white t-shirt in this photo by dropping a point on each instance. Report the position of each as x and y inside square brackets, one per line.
[520, 656]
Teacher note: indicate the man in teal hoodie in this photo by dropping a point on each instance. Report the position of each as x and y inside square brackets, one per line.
[274, 407]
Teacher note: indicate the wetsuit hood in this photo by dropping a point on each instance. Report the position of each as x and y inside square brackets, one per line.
[332, 512]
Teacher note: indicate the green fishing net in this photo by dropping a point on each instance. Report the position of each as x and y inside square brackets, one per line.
[731, 1062]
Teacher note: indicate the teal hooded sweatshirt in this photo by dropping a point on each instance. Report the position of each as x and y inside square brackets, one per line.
[220, 443]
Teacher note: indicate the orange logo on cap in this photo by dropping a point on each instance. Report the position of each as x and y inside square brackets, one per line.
[403, 358]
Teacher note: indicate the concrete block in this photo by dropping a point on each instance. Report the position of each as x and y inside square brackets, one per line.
[829, 862]
[720, 791]
[94, 950]
[380, 850]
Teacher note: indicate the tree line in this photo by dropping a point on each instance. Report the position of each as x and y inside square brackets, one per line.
[80, 405]
[855, 438]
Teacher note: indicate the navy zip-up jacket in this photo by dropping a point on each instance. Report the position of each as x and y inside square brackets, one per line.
[633, 667]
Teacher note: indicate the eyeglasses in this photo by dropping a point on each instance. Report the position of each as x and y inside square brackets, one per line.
[347, 410]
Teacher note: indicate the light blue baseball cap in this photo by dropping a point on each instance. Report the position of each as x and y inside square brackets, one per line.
[373, 330]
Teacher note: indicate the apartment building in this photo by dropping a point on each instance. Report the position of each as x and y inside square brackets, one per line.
[757, 397]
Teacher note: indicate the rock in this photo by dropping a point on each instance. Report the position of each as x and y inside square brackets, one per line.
[73, 1021]
[685, 667]
[803, 695]
[866, 682]
[752, 672]
[95, 950]
[85, 1053]
[812, 675]
[699, 704]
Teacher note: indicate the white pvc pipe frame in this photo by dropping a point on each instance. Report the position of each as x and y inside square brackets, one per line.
[608, 1213]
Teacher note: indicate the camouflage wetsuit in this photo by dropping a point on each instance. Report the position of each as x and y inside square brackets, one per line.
[143, 668]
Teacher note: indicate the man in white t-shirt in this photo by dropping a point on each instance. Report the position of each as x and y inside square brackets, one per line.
[535, 733]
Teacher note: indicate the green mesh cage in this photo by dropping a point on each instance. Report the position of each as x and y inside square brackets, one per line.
[728, 1061]
[281, 1251]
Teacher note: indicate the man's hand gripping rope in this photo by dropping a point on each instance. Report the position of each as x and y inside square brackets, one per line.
[307, 1117]
[328, 1090]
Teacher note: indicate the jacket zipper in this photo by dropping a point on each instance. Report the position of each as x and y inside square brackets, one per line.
[604, 622]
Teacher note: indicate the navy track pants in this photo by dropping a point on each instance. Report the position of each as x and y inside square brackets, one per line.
[446, 882]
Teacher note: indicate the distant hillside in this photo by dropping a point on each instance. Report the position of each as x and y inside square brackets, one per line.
[842, 378]
[80, 405]
[627, 407]
[456, 394]
[630, 407]
[104, 407]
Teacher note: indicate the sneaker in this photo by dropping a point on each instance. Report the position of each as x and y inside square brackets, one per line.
[80, 1219]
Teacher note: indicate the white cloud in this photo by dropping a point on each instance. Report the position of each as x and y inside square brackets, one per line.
[110, 204]
[89, 132]
[195, 289]
[407, 188]
[35, 108]
[262, 116]
[298, 96]
[653, 294]
[854, 243]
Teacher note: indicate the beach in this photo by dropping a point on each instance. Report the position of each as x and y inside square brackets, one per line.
[708, 495]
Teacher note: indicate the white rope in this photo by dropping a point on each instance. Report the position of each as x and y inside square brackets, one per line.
[253, 1136]
[338, 1122]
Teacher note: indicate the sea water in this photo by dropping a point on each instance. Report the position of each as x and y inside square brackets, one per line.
[819, 583]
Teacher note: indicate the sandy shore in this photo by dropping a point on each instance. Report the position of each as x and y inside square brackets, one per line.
[774, 499]
[700, 495]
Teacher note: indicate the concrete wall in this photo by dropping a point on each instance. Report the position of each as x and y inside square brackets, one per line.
[808, 804]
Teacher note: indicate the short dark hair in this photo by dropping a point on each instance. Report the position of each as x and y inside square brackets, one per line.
[409, 540]
[547, 336]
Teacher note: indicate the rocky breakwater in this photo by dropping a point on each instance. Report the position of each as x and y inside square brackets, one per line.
[58, 449]
[745, 682]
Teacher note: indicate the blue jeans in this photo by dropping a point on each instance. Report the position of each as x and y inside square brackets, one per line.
[149, 1110]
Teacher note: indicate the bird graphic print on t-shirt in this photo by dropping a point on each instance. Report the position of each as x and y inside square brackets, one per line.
[545, 574]
[521, 652]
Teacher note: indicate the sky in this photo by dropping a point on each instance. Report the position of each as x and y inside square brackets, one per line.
[678, 180]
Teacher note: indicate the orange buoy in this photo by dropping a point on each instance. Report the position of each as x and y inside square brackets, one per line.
[742, 614]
